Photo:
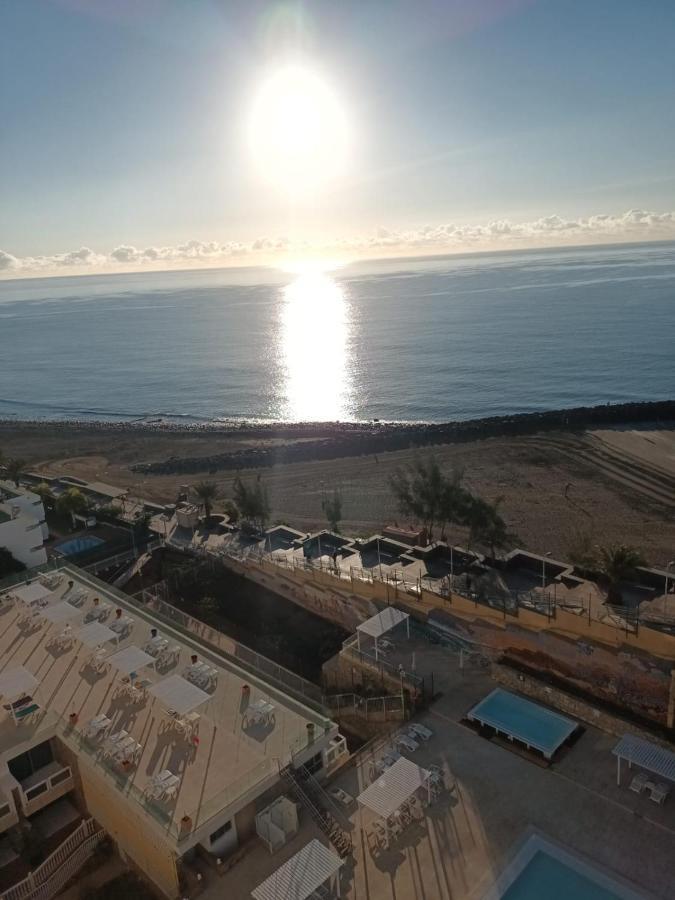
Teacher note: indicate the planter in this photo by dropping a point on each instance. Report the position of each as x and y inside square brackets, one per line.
[186, 823]
[72, 718]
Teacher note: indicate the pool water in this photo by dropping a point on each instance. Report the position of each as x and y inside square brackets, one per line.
[79, 545]
[547, 878]
[524, 720]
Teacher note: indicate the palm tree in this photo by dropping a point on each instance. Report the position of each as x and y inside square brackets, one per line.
[71, 502]
[207, 492]
[13, 468]
[615, 564]
[44, 492]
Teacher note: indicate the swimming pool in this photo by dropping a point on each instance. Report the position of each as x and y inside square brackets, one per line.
[528, 722]
[542, 869]
[79, 545]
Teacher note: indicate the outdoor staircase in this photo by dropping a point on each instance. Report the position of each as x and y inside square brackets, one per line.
[307, 790]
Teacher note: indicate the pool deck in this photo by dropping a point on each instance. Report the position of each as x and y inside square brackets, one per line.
[468, 836]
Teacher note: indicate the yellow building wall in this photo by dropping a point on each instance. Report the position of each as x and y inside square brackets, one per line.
[134, 837]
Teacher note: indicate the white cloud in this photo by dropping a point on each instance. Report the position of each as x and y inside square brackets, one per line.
[635, 224]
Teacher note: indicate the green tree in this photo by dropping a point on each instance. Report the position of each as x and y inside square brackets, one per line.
[486, 526]
[332, 507]
[615, 564]
[231, 511]
[418, 490]
[71, 502]
[8, 564]
[252, 500]
[13, 469]
[207, 492]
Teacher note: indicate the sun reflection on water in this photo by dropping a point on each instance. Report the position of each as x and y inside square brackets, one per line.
[315, 337]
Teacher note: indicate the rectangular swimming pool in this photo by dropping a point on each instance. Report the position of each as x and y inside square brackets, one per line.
[79, 545]
[525, 721]
[542, 870]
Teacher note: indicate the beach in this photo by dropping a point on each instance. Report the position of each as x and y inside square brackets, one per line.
[616, 482]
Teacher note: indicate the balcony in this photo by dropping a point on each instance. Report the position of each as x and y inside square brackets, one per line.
[8, 813]
[45, 786]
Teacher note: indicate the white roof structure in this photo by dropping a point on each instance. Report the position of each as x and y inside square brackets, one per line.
[130, 659]
[383, 622]
[31, 593]
[396, 785]
[60, 612]
[301, 875]
[16, 682]
[648, 756]
[95, 633]
[176, 693]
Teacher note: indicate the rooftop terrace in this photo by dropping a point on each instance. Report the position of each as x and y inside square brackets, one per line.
[235, 755]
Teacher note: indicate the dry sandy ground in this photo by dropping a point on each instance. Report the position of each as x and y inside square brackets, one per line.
[618, 485]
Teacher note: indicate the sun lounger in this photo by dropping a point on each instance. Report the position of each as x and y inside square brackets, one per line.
[405, 741]
[342, 796]
[639, 783]
[659, 792]
[421, 731]
[97, 726]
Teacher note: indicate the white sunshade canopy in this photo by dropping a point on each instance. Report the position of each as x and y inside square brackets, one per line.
[303, 874]
[396, 785]
[60, 612]
[17, 682]
[32, 593]
[646, 755]
[96, 633]
[130, 659]
[176, 693]
[383, 622]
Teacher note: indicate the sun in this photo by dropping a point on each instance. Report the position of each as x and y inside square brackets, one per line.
[298, 133]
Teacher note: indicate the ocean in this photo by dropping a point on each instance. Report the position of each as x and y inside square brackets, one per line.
[437, 339]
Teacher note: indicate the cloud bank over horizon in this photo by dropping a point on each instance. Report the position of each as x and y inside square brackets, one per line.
[635, 224]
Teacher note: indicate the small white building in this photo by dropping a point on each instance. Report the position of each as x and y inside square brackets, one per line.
[23, 528]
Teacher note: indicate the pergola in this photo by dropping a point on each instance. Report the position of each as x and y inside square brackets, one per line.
[15, 684]
[178, 694]
[302, 874]
[31, 593]
[95, 634]
[646, 755]
[380, 624]
[60, 612]
[394, 787]
[130, 659]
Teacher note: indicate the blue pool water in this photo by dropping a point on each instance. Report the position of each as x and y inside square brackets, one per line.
[524, 720]
[79, 545]
[547, 878]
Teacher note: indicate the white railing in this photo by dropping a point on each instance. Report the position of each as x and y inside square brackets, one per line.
[57, 870]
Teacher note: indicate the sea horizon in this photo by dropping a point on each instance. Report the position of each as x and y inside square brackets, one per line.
[402, 340]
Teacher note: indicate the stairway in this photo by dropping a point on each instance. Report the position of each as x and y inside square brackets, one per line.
[307, 790]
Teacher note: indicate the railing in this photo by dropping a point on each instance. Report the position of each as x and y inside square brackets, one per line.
[48, 784]
[55, 872]
[390, 706]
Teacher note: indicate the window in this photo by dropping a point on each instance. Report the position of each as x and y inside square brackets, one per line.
[219, 832]
[26, 764]
[314, 764]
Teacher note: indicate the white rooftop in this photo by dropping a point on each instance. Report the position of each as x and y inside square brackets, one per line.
[384, 621]
[301, 875]
[398, 783]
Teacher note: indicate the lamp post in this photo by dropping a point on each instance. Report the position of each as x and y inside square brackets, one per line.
[452, 568]
[665, 593]
[379, 558]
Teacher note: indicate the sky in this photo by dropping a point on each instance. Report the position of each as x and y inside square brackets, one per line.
[126, 138]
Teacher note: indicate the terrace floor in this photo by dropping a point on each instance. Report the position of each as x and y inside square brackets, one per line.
[70, 683]
[495, 796]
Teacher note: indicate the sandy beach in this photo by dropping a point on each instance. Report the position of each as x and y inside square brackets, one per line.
[616, 483]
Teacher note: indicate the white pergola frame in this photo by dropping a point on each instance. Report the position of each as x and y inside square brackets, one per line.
[380, 624]
[644, 754]
[397, 784]
[302, 874]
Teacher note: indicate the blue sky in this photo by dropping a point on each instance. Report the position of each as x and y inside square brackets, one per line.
[473, 124]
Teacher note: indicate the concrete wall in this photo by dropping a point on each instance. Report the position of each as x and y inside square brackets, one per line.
[23, 537]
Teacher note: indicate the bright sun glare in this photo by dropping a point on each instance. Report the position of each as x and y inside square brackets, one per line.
[298, 131]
